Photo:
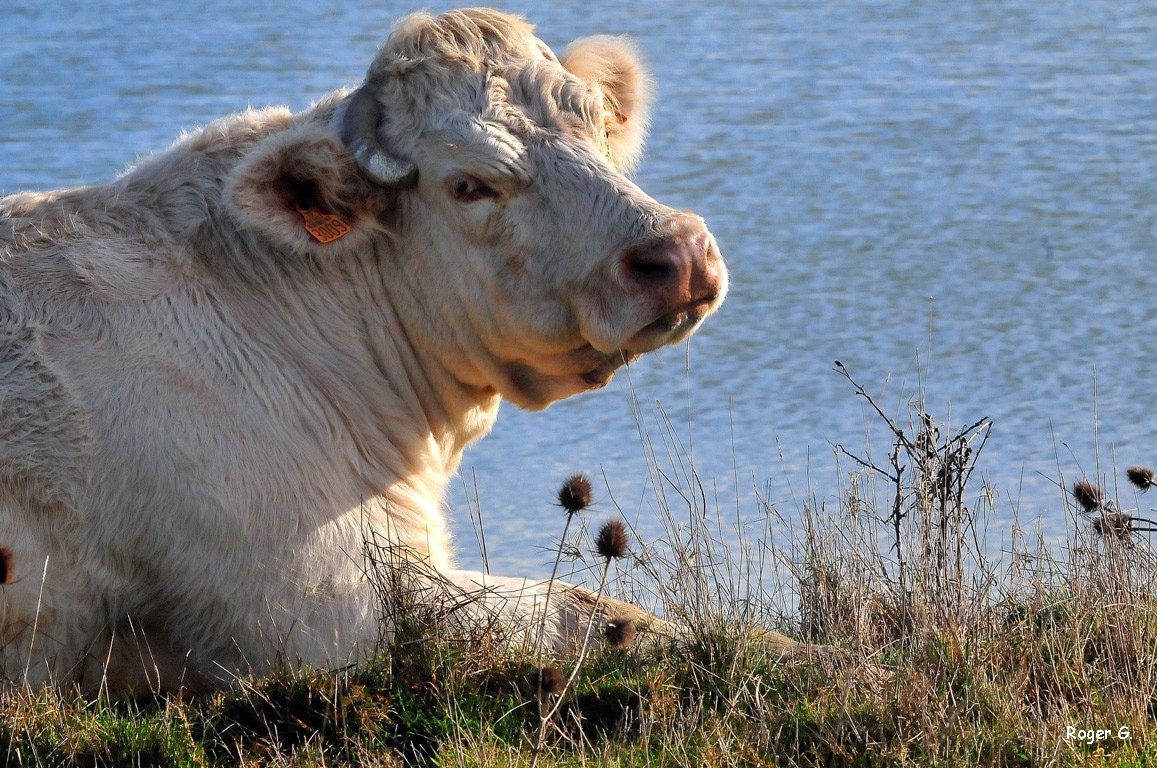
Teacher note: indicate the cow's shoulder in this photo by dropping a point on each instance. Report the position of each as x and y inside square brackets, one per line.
[71, 251]
[140, 235]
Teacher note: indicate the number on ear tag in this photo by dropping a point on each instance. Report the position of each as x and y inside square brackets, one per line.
[325, 227]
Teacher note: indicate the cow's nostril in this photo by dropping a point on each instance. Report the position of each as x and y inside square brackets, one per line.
[680, 274]
[650, 266]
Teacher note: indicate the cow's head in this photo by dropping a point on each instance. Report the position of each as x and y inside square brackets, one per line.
[527, 260]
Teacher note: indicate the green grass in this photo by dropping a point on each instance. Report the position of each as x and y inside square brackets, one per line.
[943, 656]
[1001, 700]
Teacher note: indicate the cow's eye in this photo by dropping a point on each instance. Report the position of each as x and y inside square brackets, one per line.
[468, 189]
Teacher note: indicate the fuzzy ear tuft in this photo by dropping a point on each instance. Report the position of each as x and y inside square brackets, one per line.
[613, 67]
[302, 189]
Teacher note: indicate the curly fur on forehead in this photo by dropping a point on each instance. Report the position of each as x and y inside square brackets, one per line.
[473, 39]
[490, 64]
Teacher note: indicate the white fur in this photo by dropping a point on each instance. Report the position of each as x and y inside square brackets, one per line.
[205, 414]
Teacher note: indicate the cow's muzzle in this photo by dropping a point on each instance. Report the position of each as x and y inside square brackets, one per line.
[679, 276]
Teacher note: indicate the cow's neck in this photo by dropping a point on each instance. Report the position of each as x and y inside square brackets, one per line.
[423, 409]
[454, 410]
[405, 419]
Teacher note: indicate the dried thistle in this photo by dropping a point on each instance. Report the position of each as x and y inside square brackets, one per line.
[1115, 525]
[548, 680]
[1142, 477]
[612, 540]
[1087, 495]
[575, 494]
[620, 631]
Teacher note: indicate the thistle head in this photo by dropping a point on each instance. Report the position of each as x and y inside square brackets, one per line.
[1141, 477]
[1087, 495]
[620, 631]
[611, 543]
[1114, 525]
[548, 680]
[575, 494]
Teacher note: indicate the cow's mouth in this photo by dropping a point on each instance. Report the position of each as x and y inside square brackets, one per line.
[669, 328]
[672, 326]
[682, 318]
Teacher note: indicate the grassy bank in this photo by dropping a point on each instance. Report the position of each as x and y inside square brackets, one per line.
[924, 648]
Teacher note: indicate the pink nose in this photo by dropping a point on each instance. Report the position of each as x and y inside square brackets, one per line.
[682, 268]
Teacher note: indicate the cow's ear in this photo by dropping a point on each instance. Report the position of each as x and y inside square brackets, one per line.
[303, 190]
[612, 67]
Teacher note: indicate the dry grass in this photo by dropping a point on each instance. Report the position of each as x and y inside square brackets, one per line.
[926, 647]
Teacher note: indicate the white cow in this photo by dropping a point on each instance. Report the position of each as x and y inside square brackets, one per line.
[225, 371]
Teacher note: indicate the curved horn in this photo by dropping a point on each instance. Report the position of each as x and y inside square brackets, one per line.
[359, 132]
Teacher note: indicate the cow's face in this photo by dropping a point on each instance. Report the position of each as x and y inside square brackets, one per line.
[539, 265]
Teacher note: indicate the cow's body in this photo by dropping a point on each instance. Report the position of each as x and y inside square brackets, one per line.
[206, 411]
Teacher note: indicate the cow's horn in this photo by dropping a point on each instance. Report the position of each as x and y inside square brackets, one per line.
[359, 132]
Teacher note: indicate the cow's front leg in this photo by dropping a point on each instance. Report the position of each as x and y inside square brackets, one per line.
[559, 616]
[536, 613]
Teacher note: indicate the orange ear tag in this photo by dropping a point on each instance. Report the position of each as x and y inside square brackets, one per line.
[325, 227]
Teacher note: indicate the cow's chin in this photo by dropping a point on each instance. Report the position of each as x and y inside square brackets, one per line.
[600, 376]
[536, 386]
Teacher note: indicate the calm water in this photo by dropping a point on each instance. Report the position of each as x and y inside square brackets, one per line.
[949, 196]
